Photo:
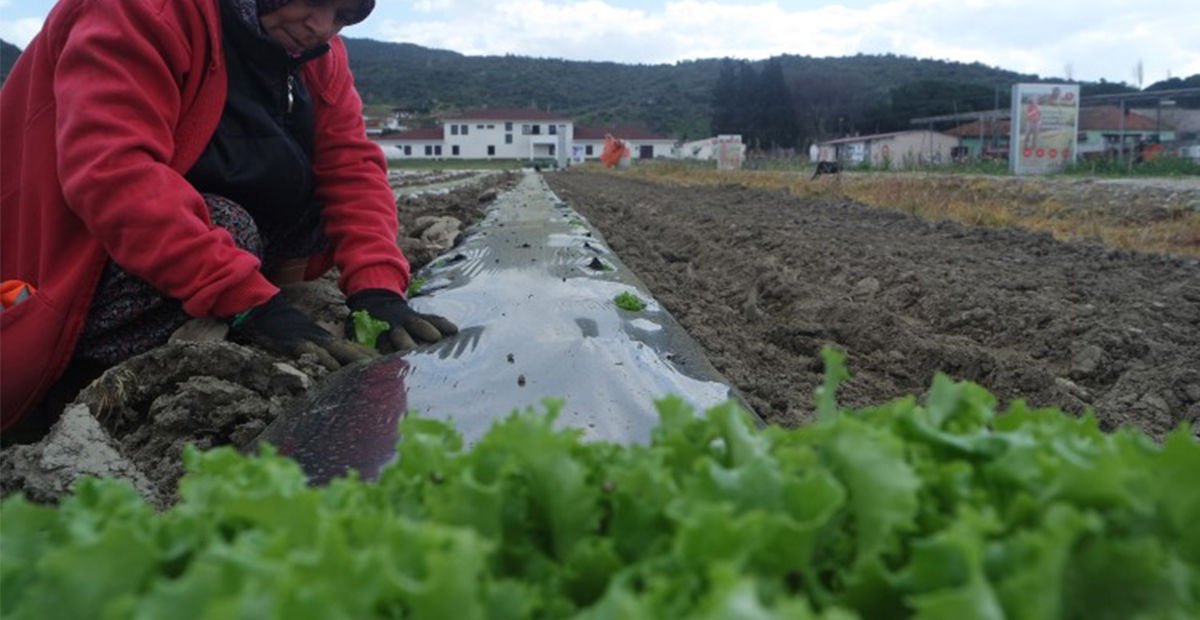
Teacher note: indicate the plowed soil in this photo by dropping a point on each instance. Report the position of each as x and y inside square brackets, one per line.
[763, 280]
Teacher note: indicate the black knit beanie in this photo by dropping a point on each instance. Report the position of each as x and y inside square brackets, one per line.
[270, 6]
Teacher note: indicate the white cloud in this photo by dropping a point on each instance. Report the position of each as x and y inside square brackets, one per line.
[1101, 38]
[432, 6]
[20, 32]
[1097, 38]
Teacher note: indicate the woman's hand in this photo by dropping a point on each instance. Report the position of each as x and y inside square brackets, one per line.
[406, 327]
[278, 326]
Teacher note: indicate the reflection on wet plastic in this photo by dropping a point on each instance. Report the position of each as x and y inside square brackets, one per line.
[350, 422]
[465, 342]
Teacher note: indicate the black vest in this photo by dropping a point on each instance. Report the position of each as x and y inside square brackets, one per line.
[261, 153]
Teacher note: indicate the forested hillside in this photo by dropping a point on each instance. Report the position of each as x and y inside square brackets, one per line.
[672, 98]
[669, 98]
[827, 96]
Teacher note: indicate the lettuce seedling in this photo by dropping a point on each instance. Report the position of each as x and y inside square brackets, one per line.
[368, 328]
[629, 301]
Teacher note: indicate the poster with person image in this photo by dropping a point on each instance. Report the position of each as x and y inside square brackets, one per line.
[1045, 121]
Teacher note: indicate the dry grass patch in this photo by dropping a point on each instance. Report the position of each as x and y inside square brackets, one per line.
[1032, 204]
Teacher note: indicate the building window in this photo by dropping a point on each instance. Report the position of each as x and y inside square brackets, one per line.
[466, 129]
[552, 149]
[428, 150]
[408, 149]
[479, 127]
[1082, 137]
[508, 126]
[537, 130]
[437, 150]
[525, 130]
[454, 150]
[454, 130]
[491, 150]
[588, 151]
[491, 126]
[508, 138]
[553, 129]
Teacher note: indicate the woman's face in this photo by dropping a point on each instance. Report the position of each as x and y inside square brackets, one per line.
[302, 25]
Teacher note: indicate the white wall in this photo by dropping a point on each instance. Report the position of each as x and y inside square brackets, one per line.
[662, 148]
[395, 149]
[905, 150]
[470, 139]
[480, 134]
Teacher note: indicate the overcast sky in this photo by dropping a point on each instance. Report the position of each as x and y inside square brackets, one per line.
[1091, 39]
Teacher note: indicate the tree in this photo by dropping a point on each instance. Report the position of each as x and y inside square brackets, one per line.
[778, 126]
[725, 99]
[747, 112]
[928, 98]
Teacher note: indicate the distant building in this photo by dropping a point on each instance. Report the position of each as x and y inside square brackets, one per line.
[896, 150]
[516, 133]
[642, 143]
[382, 120]
[1100, 130]
[708, 149]
[1185, 121]
[421, 143]
[489, 133]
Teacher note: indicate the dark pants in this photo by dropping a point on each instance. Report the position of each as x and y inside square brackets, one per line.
[128, 316]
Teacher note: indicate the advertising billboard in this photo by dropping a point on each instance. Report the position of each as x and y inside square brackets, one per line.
[1045, 122]
[730, 152]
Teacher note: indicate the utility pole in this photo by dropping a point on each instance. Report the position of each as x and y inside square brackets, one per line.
[1121, 137]
[992, 122]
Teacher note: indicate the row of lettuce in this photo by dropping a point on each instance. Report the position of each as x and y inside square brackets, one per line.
[934, 510]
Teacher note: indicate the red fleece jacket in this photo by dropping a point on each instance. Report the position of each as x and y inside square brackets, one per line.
[100, 118]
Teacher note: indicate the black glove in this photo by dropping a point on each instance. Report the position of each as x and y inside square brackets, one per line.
[278, 326]
[406, 326]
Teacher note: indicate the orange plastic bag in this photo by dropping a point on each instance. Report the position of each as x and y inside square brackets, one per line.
[614, 151]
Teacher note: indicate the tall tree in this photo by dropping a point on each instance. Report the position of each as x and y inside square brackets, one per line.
[725, 99]
[748, 108]
[778, 126]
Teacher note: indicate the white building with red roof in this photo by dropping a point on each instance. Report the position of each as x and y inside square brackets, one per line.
[642, 143]
[516, 133]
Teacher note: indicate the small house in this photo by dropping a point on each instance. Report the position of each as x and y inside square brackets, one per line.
[895, 150]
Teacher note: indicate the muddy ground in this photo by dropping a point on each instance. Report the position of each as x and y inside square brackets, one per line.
[134, 420]
[763, 280]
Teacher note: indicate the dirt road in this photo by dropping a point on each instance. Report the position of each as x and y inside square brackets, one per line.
[763, 279]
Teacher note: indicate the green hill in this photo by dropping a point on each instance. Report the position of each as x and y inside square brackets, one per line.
[671, 98]
[830, 96]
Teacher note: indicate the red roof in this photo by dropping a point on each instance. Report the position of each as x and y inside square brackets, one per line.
[421, 133]
[1109, 117]
[623, 132]
[1099, 118]
[505, 114]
